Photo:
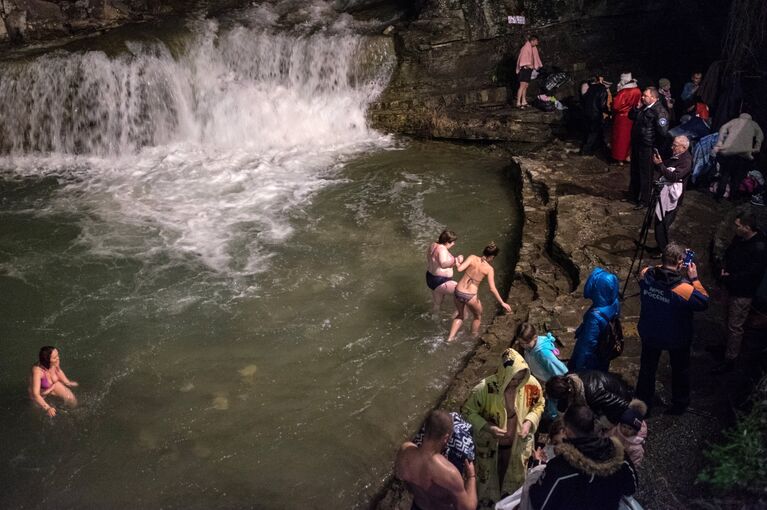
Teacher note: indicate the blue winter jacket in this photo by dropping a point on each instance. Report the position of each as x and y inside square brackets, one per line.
[544, 364]
[542, 359]
[602, 289]
[668, 303]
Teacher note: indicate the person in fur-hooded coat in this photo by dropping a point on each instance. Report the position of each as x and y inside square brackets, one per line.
[589, 471]
[504, 411]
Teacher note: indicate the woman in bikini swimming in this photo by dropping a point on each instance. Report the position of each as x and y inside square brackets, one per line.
[476, 269]
[439, 267]
[47, 378]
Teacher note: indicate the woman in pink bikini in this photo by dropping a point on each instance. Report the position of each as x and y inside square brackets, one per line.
[476, 269]
[48, 379]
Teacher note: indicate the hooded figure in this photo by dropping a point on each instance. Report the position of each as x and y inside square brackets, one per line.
[544, 364]
[602, 289]
[486, 410]
[625, 100]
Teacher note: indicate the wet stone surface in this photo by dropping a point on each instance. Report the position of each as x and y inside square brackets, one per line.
[577, 218]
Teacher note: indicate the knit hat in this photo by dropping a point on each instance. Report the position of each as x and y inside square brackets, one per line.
[633, 418]
[664, 83]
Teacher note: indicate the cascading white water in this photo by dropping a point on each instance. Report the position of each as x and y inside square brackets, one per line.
[196, 154]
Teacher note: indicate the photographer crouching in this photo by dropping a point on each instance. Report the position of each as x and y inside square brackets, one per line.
[674, 173]
[670, 293]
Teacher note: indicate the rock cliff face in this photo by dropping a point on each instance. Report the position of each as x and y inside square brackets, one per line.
[456, 76]
[30, 20]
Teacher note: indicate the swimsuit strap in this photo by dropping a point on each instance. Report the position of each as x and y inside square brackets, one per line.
[474, 280]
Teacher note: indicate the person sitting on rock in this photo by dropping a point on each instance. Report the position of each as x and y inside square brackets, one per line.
[602, 288]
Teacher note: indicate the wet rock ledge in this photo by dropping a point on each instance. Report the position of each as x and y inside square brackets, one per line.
[575, 218]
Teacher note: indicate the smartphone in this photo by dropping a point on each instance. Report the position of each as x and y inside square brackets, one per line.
[655, 151]
[689, 256]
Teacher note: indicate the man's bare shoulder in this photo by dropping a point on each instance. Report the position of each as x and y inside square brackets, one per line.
[445, 474]
[405, 456]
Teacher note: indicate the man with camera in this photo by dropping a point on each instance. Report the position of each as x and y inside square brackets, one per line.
[670, 293]
[674, 172]
[649, 131]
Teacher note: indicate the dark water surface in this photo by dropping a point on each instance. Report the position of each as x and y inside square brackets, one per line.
[289, 385]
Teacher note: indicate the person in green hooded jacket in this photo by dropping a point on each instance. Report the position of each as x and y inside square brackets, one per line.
[504, 411]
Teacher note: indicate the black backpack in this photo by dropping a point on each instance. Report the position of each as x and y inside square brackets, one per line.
[610, 344]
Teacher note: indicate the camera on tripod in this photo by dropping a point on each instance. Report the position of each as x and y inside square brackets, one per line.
[658, 185]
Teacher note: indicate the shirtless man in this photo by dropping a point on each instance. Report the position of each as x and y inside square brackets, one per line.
[476, 269]
[439, 267]
[435, 483]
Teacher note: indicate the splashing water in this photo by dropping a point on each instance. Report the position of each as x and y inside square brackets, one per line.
[202, 156]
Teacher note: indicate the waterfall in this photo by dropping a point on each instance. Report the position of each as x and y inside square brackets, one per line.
[201, 151]
[241, 86]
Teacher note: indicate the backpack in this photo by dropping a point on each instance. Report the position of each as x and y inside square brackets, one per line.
[610, 343]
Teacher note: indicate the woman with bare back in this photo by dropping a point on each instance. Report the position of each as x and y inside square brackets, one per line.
[475, 269]
[439, 267]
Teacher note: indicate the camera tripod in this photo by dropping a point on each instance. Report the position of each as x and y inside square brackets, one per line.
[642, 240]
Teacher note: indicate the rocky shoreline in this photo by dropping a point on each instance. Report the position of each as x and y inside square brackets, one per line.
[575, 219]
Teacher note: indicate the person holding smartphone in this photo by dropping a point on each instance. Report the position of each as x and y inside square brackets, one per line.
[669, 297]
[650, 130]
[674, 173]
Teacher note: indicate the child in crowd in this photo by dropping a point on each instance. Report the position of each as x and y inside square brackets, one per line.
[555, 438]
[541, 353]
[520, 500]
[632, 431]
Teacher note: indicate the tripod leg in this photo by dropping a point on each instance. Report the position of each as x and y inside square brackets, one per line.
[643, 232]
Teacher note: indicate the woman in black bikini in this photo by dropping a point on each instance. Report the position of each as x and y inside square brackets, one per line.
[439, 267]
[476, 269]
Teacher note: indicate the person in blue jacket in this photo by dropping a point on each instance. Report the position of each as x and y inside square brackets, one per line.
[602, 289]
[541, 353]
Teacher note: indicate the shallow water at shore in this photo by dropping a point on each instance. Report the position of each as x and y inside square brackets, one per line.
[289, 386]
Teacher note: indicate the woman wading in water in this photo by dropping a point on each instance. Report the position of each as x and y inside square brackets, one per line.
[439, 267]
[476, 269]
[47, 378]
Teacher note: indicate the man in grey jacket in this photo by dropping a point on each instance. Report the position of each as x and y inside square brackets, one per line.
[738, 141]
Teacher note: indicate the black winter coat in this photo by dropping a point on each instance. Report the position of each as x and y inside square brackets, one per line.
[605, 393]
[650, 127]
[594, 101]
[745, 260]
[586, 474]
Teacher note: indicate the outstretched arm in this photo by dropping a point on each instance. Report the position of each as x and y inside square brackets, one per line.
[466, 263]
[494, 291]
[63, 378]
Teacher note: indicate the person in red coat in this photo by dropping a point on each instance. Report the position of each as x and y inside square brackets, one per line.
[627, 98]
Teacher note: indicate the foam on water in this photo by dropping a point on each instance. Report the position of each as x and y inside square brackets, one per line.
[202, 156]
